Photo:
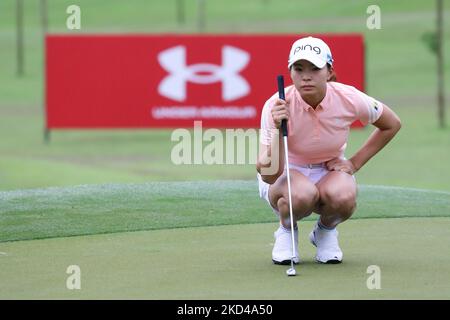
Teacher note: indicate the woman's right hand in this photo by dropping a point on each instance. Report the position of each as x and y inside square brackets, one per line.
[280, 111]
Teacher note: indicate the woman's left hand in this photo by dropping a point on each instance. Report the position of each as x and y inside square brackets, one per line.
[344, 165]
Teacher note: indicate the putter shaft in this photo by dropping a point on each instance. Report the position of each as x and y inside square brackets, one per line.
[286, 153]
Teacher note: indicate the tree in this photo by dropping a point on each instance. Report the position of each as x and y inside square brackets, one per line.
[435, 42]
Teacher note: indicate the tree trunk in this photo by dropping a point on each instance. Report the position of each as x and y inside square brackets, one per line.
[440, 64]
[19, 38]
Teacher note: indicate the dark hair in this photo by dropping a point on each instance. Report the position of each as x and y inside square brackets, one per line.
[333, 76]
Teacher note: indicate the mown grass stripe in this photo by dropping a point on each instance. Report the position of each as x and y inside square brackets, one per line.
[110, 208]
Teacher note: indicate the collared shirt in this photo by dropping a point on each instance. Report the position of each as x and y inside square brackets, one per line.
[320, 134]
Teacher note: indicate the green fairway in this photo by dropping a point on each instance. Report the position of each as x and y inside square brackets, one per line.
[92, 209]
[230, 259]
[232, 262]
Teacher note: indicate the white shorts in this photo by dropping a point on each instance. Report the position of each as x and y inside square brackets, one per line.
[313, 172]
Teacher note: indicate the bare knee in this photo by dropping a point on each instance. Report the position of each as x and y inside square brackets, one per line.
[304, 201]
[305, 198]
[283, 207]
[339, 201]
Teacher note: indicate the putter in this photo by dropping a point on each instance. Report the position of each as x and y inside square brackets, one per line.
[291, 271]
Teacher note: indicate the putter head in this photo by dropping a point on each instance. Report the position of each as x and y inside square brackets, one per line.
[291, 272]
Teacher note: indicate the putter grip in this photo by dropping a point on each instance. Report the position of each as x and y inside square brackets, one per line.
[280, 80]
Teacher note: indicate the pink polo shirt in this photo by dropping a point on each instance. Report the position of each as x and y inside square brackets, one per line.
[319, 135]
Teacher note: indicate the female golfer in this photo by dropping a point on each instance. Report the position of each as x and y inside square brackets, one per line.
[319, 112]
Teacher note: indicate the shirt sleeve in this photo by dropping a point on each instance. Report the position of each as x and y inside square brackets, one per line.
[267, 124]
[368, 109]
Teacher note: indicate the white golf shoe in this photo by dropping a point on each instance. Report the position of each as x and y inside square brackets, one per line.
[282, 249]
[326, 242]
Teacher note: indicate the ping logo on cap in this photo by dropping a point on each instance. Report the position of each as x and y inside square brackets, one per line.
[304, 47]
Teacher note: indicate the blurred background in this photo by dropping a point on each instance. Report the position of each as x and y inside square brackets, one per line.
[401, 71]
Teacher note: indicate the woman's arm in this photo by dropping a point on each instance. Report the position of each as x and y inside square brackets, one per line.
[270, 162]
[387, 127]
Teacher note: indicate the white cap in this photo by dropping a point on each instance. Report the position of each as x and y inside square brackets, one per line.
[312, 49]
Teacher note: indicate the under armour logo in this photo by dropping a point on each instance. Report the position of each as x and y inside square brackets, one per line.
[173, 60]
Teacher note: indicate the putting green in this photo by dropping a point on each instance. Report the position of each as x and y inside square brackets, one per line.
[232, 262]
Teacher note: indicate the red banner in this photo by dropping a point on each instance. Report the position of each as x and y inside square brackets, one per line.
[149, 81]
